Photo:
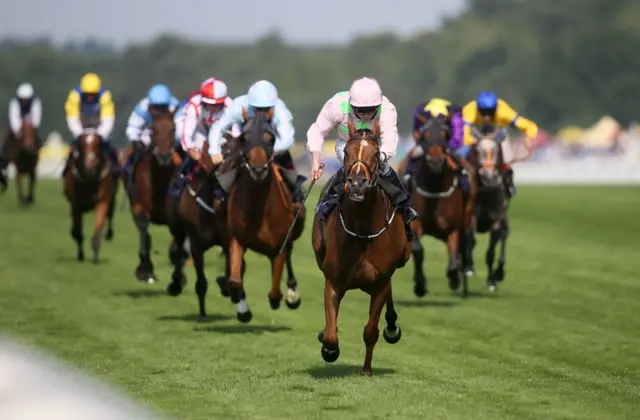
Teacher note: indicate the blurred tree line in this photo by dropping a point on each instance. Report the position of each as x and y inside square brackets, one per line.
[557, 62]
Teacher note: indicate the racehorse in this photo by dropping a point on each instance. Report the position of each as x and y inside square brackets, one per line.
[260, 208]
[360, 247]
[91, 184]
[149, 192]
[445, 213]
[200, 214]
[23, 152]
[491, 213]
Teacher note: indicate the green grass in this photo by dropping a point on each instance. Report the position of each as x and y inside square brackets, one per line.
[560, 339]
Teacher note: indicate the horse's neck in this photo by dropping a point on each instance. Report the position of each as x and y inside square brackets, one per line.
[366, 215]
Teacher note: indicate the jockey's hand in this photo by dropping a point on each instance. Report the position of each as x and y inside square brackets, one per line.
[195, 154]
[316, 167]
[216, 159]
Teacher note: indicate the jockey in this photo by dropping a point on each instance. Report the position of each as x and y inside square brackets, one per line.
[364, 102]
[89, 103]
[158, 99]
[261, 98]
[193, 121]
[452, 115]
[488, 112]
[24, 105]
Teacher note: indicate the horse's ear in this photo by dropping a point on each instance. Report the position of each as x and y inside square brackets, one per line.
[351, 126]
[245, 114]
[376, 129]
[270, 113]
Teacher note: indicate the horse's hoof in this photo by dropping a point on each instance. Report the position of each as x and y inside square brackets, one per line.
[80, 257]
[292, 299]
[420, 289]
[454, 279]
[174, 289]
[294, 304]
[499, 273]
[108, 236]
[491, 287]
[223, 285]
[95, 260]
[275, 302]
[179, 279]
[330, 353]
[469, 272]
[244, 317]
[392, 336]
[366, 372]
[320, 336]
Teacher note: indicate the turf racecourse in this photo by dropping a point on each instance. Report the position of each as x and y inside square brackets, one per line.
[560, 339]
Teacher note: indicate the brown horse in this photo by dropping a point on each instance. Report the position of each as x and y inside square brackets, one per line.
[90, 184]
[445, 213]
[23, 152]
[148, 193]
[361, 246]
[261, 210]
[200, 214]
[491, 213]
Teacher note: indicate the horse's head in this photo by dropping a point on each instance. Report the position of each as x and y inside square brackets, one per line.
[256, 143]
[28, 139]
[433, 141]
[361, 160]
[163, 133]
[487, 158]
[90, 145]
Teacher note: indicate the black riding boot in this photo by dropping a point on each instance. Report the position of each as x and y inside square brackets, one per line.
[462, 174]
[332, 195]
[394, 187]
[509, 185]
[138, 151]
[186, 166]
[113, 156]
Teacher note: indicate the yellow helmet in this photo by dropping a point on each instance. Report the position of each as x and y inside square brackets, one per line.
[437, 107]
[90, 83]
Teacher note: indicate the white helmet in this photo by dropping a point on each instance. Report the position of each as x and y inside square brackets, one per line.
[365, 92]
[25, 91]
[262, 94]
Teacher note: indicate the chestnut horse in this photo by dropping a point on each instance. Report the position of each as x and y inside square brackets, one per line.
[23, 153]
[361, 246]
[149, 193]
[445, 213]
[90, 184]
[200, 215]
[492, 205]
[260, 208]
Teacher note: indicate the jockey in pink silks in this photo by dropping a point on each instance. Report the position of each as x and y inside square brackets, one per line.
[365, 103]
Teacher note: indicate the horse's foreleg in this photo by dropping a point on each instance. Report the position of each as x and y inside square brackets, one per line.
[371, 332]
[144, 271]
[109, 233]
[76, 230]
[469, 244]
[277, 267]
[202, 285]
[392, 332]
[329, 336]
[490, 256]
[504, 234]
[22, 201]
[419, 279]
[101, 209]
[236, 263]
[178, 258]
[292, 299]
[453, 268]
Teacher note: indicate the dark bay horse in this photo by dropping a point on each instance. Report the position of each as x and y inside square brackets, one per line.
[91, 184]
[491, 213]
[445, 213]
[361, 246]
[23, 153]
[149, 192]
[260, 208]
[200, 215]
